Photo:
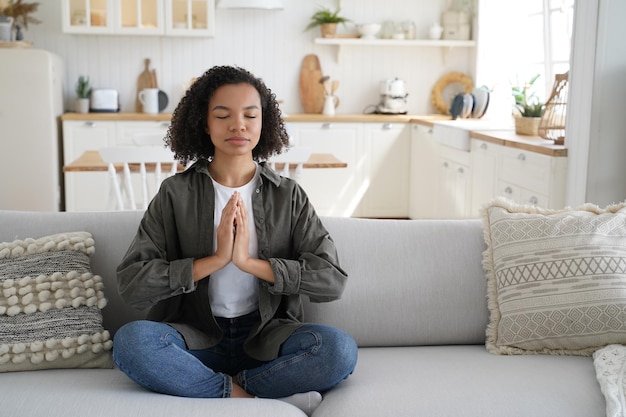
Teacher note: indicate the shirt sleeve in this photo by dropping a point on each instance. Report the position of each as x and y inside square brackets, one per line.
[145, 275]
[315, 272]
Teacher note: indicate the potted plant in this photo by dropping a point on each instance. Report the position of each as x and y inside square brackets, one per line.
[327, 20]
[83, 90]
[529, 108]
[20, 12]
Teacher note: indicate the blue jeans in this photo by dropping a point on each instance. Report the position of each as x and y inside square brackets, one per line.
[155, 356]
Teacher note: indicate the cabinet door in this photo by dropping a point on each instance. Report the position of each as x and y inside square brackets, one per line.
[88, 16]
[190, 17]
[333, 191]
[139, 17]
[137, 133]
[424, 173]
[86, 191]
[454, 193]
[484, 162]
[386, 171]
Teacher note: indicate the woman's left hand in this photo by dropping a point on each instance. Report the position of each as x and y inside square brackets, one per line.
[241, 251]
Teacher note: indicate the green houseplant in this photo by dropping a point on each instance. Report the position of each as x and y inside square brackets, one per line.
[327, 20]
[83, 90]
[529, 108]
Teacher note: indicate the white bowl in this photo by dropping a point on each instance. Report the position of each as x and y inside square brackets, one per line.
[369, 30]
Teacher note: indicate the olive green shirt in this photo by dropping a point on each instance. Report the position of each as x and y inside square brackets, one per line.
[177, 228]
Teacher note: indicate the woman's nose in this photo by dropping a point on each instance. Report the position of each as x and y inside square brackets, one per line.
[238, 123]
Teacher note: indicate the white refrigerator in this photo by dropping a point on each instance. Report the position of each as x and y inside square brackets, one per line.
[31, 103]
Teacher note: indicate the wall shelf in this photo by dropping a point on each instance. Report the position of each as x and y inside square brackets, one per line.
[343, 42]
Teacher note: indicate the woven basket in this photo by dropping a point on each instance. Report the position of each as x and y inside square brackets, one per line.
[527, 126]
[552, 124]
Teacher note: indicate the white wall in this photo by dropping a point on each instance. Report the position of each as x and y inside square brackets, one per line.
[269, 43]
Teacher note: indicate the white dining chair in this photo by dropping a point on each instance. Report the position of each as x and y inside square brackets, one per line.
[295, 155]
[122, 192]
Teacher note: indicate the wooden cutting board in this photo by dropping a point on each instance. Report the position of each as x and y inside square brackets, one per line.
[147, 79]
[311, 90]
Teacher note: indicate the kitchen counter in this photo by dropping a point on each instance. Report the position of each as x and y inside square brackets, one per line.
[506, 137]
[528, 143]
[358, 118]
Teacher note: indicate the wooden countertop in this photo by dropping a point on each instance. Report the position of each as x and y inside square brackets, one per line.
[502, 137]
[346, 118]
[91, 161]
[513, 140]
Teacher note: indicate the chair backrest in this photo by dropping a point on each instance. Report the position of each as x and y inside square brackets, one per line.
[141, 159]
[291, 161]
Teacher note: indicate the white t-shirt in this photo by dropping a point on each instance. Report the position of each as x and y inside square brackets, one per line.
[232, 292]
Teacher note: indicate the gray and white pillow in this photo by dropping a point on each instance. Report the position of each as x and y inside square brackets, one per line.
[556, 279]
[50, 305]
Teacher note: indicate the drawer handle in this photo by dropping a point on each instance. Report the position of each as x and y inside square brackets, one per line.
[521, 157]
[386, 126]
[533, 200]
[483, 146]
[90, 124]
[508, 190]
[430, 130]
[165, 124]
[461, 170]
[445, 165]
[327, 125]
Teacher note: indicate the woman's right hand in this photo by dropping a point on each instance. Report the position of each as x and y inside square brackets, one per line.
[226, 230]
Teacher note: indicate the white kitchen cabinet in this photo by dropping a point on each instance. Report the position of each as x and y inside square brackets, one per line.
[484, 160]
[333, 191]
[454, 183]
[140, 133]
[522, 176]
[424, 168]
[386, 170]
[139, 17]
[86, 191]
[532, 178]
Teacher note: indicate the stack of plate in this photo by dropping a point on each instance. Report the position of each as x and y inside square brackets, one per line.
[470, 105]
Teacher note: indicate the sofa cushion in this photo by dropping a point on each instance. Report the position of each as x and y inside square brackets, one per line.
[50, 305]
[556, 278]
[464, 381]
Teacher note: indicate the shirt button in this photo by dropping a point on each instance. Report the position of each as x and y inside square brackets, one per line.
[258, 190]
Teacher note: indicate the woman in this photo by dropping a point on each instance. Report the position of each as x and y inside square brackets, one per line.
[222, 256]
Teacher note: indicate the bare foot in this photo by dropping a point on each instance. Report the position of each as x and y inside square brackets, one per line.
[238, 392]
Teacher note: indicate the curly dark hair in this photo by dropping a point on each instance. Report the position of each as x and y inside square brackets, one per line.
[187, 135]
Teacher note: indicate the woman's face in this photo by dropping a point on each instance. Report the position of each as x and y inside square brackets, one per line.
[234, 119]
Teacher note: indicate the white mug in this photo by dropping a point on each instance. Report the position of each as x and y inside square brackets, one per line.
[149, 98]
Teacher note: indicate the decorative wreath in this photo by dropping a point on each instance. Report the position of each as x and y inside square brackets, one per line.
[454, 77]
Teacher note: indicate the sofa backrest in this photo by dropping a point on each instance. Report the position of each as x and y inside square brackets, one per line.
[411, 282]
[112, 233]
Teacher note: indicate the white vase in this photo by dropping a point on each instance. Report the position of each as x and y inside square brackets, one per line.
[81, 105]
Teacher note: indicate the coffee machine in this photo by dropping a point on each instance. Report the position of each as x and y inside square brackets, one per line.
[392, 97]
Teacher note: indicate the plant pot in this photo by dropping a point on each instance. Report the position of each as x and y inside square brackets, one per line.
[329, 30]
[528, 126]
[81, 105]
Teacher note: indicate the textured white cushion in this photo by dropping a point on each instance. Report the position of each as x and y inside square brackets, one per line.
[556, 278]
[610, 363]
[50, 305]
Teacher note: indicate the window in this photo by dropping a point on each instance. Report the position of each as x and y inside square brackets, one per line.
[517, 40]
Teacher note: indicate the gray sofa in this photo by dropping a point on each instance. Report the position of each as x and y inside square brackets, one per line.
[415, 303]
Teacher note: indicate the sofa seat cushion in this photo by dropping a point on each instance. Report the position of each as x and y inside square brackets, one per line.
[465, 381]
[109, 393]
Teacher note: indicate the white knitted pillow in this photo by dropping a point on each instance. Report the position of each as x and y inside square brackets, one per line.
[50, 305]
